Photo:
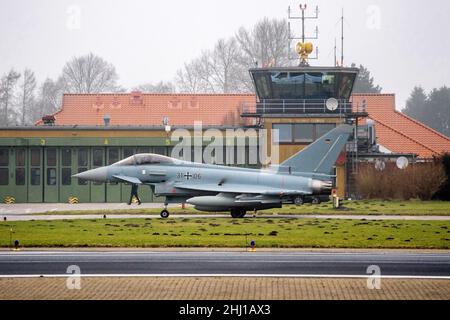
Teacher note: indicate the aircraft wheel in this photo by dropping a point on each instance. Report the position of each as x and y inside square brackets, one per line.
[298, 201]
[316, 200]
[164, 214]
[243, 213]
[234, 213]
[238, 213]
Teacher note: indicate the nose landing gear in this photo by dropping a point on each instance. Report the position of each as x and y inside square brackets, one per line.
[164, 213]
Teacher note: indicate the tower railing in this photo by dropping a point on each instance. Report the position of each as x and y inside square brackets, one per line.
[295, 106]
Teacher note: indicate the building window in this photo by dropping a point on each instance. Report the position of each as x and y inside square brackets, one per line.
[324, 128]
[301, 132]
[20, 157]
[82, 157]
[51, 157]
[113, 155]
[263, 86]
[51, 177]
[304, 132]
[128, 152]
[143, 150]
[66, 157]
[35, 177]
[4, 176]
[160, 150]
[82, 182]
[97, 157]
[284, 133]
[4, 157]
[20, 176]
[35, 157]
[66, 176]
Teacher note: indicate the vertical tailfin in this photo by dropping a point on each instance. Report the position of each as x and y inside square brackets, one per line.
[320, 156]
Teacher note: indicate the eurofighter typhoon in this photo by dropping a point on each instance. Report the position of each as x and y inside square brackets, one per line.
[218, 188]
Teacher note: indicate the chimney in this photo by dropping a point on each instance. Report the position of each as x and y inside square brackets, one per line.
[106, 120]
[48, 120]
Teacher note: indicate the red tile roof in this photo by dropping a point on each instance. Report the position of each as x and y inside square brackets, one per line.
[395, 131]
[398, 132]
[149, 109]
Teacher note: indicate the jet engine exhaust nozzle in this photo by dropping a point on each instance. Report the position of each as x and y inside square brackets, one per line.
[319, 186]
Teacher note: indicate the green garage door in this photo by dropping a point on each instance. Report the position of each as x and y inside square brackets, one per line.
[19, 183]
[66, 158]
[113, 190]
[81, 188]
[51, 189]
[98, 189]
[5, 174]
[35, 185]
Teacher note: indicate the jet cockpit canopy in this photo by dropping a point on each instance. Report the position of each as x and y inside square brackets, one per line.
[144, 159]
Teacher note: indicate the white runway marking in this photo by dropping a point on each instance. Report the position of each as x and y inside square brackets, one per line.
[214, 275]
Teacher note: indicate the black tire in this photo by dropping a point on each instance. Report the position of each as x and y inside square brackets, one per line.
[298, 201]
[238, 213]
[316, 200]
[164, 214]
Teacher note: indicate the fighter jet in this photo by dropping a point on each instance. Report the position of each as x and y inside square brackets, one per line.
[217, 188]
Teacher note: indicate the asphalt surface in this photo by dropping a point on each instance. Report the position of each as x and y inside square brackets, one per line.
[225, 263]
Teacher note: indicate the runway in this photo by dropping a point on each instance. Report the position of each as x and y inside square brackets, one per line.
[206, 263]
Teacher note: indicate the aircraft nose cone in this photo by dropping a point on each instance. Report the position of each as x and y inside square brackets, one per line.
[98, 174]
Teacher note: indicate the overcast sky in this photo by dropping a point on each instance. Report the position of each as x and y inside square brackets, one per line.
[403, 42]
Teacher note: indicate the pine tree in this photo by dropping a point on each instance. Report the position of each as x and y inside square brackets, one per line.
[364, 82]
[416, 105]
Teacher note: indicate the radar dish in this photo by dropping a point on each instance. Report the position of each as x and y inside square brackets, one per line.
[332, 104]
[402, 163]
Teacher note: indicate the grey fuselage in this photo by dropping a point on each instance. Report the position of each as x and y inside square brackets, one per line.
[166, 179]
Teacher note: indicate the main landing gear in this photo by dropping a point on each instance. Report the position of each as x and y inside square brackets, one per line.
[238, 213]
[164, 213]
[298, 201]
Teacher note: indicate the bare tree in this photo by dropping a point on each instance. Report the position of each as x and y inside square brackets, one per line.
[27, 98]
[225, 68]
[189, 78]
[49, 99]
[216, 71]
[7, 95]
[89, 74]
[265, 44]
[160, 87]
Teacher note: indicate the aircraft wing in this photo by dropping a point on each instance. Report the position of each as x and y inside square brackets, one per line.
[239, 189]
[128, 179]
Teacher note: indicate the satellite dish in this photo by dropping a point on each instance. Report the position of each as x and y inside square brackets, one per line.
[402, 163]
[332, 104]
[380, 165]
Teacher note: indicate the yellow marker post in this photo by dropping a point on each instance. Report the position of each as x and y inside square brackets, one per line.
[252, 246]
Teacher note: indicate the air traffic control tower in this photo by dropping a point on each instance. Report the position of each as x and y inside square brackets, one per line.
[304, 102]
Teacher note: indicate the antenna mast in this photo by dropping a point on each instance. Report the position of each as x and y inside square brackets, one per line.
[342, 38]
[303, 48]
[335, 53]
